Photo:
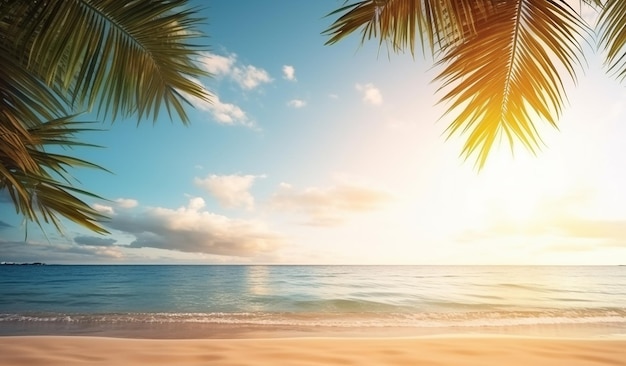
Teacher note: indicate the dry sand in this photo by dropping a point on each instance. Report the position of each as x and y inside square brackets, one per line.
[452, 350]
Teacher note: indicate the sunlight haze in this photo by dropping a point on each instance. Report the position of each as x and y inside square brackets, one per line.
[314, 154]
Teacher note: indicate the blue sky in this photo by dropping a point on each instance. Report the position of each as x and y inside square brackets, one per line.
[336, 154]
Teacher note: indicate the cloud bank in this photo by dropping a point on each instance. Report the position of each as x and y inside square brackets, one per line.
[231, 191]
[328, 207]
[94, 241]
[561, 218]
[51, 253]
[193, 230]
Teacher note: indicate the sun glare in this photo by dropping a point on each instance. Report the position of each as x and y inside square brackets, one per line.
[520, 208]
[514, 190]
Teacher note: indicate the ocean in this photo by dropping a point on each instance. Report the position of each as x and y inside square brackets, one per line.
[214, 301]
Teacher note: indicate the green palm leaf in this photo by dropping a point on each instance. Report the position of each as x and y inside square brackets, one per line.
[128, 57]
[39, 193]
[25, 104]
[49, 198]
[61, 57]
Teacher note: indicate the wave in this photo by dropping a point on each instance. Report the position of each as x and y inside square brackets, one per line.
[340, 320]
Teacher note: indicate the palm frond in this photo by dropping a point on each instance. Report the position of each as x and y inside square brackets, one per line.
[379, 21]
[507, 73]
[436, 24]
[25, 104]
[598, 4]
[501, 59]
[39, 193]
[49, 200]
[31, 119]
[126, 57]
[62, 56]
[613, 36]
[60, 132]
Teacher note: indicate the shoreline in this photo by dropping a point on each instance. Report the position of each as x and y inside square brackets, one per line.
[190, 330]
[452, 349]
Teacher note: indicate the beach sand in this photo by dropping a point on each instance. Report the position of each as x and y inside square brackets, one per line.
[452, 350]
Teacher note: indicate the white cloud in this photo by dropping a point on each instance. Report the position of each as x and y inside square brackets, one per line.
[249, 77]
[107, 210]
[196, 203]
[126, 202]
[120, 203]
[289, 72]
[325, 207]
[193, 230]
[333, 96]
[230, 190]
[296, 103]
[370, 93]
[218, 65]
[223, 113]
[227, 113]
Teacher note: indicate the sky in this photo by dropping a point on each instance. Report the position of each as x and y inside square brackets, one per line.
[315, 154]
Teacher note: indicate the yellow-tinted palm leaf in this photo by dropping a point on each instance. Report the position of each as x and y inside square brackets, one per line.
[612, 25]
[437, 24]
[502, 60]
[507, 77]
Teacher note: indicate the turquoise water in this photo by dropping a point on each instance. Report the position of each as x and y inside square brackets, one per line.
[88, 299]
